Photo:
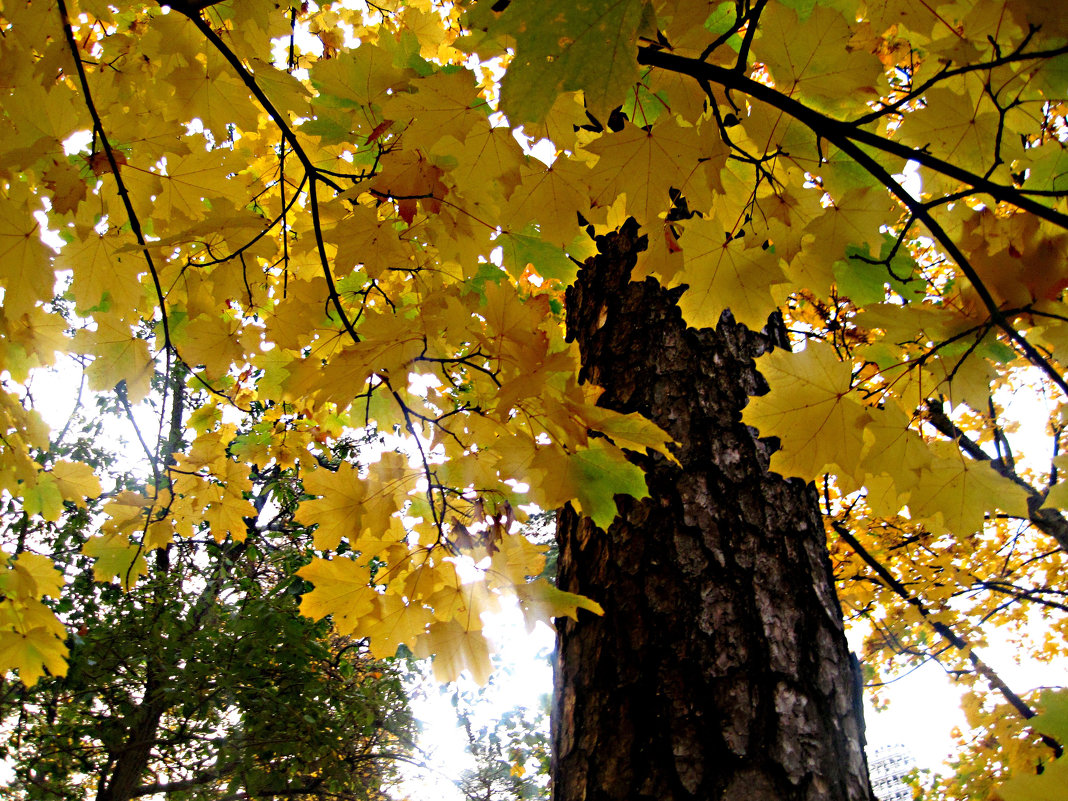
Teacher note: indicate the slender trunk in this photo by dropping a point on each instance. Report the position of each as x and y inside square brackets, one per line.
[720, 668]
[131, 761]
[129, 764]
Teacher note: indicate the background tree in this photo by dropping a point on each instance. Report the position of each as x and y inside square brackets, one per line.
[321, 215]
[201, 680]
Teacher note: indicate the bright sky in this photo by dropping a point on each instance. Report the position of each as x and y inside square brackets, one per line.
[526, 676]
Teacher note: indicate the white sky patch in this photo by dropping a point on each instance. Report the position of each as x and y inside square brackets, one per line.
[59, 392]
[543, 150]
[77, 142]
[523, 678]
[1030, 409]
[910, 179]
[924, 707]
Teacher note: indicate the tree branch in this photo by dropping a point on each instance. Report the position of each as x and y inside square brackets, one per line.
[314, 174]
[846, 137]
[123, 192]
[1049, 521]
[945, 631]
[836, 131]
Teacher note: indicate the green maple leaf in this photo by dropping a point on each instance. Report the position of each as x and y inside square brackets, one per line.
[44, 498]
[526, 247]
[604, 474]
[864, 282]
[116, 557]
[561, 46]
[593, 477]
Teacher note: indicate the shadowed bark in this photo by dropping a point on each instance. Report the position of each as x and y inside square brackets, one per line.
[720, 669]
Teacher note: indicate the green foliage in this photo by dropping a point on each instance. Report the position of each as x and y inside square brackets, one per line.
[511, 754]
[575, 45]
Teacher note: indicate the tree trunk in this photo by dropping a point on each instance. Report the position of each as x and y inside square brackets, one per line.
[720, 668]
[131, 760]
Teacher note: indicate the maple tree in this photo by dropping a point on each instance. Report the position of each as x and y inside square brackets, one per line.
[322, 219]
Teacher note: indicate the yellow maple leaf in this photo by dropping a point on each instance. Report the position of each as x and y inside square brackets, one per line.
[227, 516]
[360, 78]
[32, 653]
[212, 341]
[25, 270]
[362, 239]
[953, 125]
[810, 410]
[15, 584]
[286, 93]
[828, 70]
[33, 340]
[591, 478]
[44, 113]
[120, 356]
[644, 163]
[159, 534]
[126, 512]
[393, 622]
[465, 602]
[337, 512]
[632, 431]
[853, 219]
[542, 601]
[954, 493]
[561, 124]
[342, 589]
[735, 272]
[215, 96]
[441, 104]
[76, 481]
[517, 558]
[104, 268]
[412, 181]
[41, 572]
[488, 162]
[894, 460]
[193, 178]
[25, 614]
[1058, 494]
[550, 195]
[382, 536]
[455, 649]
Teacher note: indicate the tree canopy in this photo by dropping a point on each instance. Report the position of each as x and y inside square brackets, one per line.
[274, 227]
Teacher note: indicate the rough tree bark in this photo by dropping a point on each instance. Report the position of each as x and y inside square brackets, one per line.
[719, 669]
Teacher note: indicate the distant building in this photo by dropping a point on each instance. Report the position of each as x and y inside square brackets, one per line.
[888, 765]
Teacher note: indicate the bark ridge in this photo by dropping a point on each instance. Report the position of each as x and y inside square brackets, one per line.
[720, 668]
